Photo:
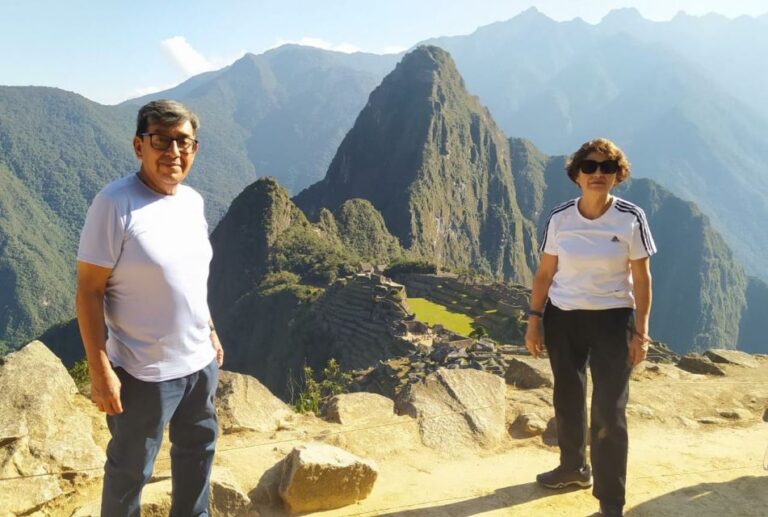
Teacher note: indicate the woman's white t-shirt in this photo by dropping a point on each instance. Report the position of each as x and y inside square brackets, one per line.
[593, 271]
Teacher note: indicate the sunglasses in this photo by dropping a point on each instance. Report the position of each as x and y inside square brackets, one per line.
[606, 167]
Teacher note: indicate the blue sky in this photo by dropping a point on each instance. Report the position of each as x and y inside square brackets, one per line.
[112, 50]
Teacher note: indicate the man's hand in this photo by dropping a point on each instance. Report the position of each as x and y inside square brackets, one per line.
[638, 349]
[533, 337]
[217, 346]
[105, 391]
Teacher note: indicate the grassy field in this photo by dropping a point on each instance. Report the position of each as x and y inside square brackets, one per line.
[433, 313]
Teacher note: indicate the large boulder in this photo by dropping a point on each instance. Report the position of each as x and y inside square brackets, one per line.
[244, 404]
[695, 363]
[318, 476]
[529, 373]
[227, 498]
[359, 408]
[457, 408]
[42, 430]
[736, 357]
[369, 419]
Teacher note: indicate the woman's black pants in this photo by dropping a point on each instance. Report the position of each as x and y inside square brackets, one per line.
[600, 337]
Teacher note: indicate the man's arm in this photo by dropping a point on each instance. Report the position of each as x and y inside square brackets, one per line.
[641, 282]
[89, 301]
[216, 344]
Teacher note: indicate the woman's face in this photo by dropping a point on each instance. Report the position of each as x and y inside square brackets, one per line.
[599, 182]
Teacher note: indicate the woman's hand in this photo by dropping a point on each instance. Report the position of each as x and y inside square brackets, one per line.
[638, 348]
[533, 336]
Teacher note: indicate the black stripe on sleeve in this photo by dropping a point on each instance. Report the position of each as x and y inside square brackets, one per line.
[557, 209]
[643, 222]
[645, 234]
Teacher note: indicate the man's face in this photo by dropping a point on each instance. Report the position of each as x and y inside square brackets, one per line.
[164, 170]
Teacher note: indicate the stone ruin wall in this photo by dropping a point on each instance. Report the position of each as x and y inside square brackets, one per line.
[364, 314]
[499, 307]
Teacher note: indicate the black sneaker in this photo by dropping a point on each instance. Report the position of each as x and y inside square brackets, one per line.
[561, 478]
[611, 510]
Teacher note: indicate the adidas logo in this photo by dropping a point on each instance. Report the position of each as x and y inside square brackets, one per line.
[615, 239]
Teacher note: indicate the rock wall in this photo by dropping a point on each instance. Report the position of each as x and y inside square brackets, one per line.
[364, 315]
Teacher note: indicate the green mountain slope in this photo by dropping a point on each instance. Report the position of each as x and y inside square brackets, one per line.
[35, 273]
[429, 157]
[269, 276]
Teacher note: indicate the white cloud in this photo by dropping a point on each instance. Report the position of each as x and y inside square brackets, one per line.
[307, 41]
[190, 61]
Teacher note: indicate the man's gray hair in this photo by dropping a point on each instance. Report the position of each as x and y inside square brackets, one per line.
[166, 113]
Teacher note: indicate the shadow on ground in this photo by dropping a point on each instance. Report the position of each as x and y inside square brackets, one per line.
[503, 498]
[744, 497]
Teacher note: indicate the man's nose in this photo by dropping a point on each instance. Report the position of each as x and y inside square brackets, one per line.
[173, 148]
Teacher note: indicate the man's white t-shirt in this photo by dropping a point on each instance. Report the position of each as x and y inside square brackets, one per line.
[155, 305]
[593, 271]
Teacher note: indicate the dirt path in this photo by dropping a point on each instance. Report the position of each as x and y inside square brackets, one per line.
[678, 465]
[677, 473]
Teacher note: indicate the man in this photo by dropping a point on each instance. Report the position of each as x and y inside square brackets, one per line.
[142, 271]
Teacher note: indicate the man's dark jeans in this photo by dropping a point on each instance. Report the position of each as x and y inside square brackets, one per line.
[601, 337]
[187, 405]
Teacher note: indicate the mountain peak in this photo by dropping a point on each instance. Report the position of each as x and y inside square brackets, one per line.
[531, 13]
[429, 157]
[427, 58]
[623, 16]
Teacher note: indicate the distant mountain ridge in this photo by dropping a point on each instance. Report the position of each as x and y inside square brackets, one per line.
[289, 108]
[283, 112]
[666, 92]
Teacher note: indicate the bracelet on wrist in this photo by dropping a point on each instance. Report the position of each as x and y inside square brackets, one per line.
[211, 327]
[532, 312]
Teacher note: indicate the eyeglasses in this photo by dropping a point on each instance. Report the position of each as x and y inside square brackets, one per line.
[160, 142]
[606, 166]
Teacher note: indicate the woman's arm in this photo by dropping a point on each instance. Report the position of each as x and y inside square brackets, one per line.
[539, 294]
[641, 281]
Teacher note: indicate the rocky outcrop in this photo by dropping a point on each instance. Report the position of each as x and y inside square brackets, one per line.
[244, 404]
[457, 408]
[528, 424]
[45, 438]
[448, 350]
[319, 477]
[227, 498]
[732, 357]
[696, 363]
[359, 408]
[528, 373]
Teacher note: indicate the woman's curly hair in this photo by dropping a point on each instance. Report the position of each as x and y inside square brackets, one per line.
[602, 146]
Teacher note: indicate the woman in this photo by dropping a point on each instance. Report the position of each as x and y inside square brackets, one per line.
[593, 291]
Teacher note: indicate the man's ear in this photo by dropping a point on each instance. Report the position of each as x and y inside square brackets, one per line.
[137, 146]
